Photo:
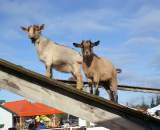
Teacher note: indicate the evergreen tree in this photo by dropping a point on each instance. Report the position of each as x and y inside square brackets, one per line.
[2, 101]
[152, 103]
[144, 105]
[157, 100]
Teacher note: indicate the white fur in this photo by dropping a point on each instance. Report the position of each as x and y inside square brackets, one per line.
[56, 55]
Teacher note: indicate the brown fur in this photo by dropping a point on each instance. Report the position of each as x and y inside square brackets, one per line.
[98, 69]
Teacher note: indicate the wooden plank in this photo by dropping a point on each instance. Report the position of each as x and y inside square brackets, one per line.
[122, 87]
[70, 100]
[64, 103]
[139, 89]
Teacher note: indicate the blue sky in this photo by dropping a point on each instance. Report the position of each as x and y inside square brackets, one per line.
[128, 31]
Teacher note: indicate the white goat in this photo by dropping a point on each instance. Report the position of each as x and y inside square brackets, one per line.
[98, 69]
[56, 56]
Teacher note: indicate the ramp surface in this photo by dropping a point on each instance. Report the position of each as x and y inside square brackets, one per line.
[62, 96]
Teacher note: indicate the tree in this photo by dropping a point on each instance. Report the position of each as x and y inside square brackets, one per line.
[2, 101]
[157, 100]
[152, 103]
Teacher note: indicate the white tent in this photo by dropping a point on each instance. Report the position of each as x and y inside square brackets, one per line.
[97, 128]
[6, 118]
[152, 111]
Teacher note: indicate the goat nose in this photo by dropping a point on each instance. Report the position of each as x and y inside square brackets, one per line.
[87, 53]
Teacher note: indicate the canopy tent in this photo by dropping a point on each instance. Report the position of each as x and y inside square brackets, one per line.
[25, 108]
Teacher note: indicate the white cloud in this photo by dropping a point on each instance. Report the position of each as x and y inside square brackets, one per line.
[32, 12]
[103, 19]
[143, 40]
[151, 45]
[138, 27]
[155, 62]
[132, 77]
[144, 22]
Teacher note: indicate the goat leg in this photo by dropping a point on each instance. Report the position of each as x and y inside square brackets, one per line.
[114, 96]
[79, 81]
[90, 83]
[78, 76]
[91, 89]
[96, 90]
[48, 71]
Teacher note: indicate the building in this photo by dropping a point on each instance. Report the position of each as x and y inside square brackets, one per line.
[6, 118]
[155, 111]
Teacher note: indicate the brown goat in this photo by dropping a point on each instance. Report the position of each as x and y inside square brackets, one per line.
[98, 69]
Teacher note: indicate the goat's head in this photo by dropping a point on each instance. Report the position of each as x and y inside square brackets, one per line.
[33, 31]
[87, 47]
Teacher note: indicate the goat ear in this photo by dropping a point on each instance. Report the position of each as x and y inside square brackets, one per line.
[41, 27]
[96, 43]
[24, 29]
[77, 45]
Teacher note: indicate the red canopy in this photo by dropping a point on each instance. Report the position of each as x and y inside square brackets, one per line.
[25, 108]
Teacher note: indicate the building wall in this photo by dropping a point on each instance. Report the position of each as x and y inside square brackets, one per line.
[6, 118]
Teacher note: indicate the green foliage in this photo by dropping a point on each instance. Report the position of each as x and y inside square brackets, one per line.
[2, 101]
[142, 106]
[157, 100]
[1, 126]
[152, 103]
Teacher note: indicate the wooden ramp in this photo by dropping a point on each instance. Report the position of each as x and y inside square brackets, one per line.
[62, 96]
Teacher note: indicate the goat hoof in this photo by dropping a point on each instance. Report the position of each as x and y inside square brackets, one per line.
[91, 91]
[80, 86]
[97, 92]
[115, 97]
[80, 89]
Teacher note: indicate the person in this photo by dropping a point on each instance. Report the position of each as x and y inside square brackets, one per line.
[31, 127]
[55, 121]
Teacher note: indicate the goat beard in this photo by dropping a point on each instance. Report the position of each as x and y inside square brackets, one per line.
[87, 56]
[88, 59]
[33, 40]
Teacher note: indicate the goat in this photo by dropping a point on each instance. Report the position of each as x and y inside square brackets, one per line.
[98, 69]
[53, 55]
